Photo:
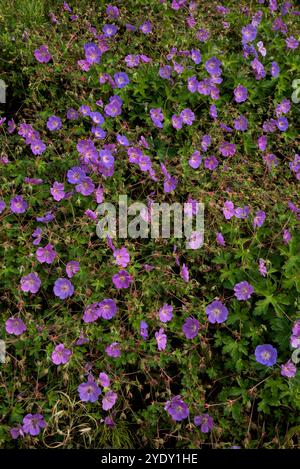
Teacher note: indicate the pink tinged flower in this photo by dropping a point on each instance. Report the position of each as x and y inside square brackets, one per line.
[228, 210]
[161, 339]
[61, 355]
[291, 42]
[184, 273]
[220, 239]
[195, 160]
[46, 254]
[85, 187]
[113, 350]
[177, 122]
[42, 54]
[92, 53]
[216, 312]
[37, 146]
[58, 191]
[262, 267]
[165, 313]
[17, 432]
[89, 391]
[196, 240]
[107, 308]
[72, 268]
[109, 400]
[63, 288]
[286, 236]
[33, 423]
[191, 328]
[240, 94]
[288, 369]
[122, 257]
[18, 204]
[295, 341]
[15, 326]
[122, 279]
[205, 422]
[243, 291]
[30, 283]
[296, 328]
[54, 123]
[227, 149]
[104, 380]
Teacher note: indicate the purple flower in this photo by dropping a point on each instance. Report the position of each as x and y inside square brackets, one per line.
[213, 111]
[205, 422]
[46, 254]
[15, 326]
[72, 268]
[113, 108]
[75, 175]
[243, 290]
[165, 72]
[195, 160]
[121, 79]
[187, 116]
[205, 142]
[104, 380]
[240, 94]
[157, 117]
[37, 146]
[291, 42]
[92, 53]
[196, 240]
[109, 400]
[89, 391]
[259, 219]
[177, 409]
[216, 312]
[106, 157]
[227, 149]
[97, 118]
[42, 54]
[228, 210]
[177, 122]
[242, 212]
[288, 369]
[161, 339]
[107, 308]
[58, 191]
[286, 236]
[220, 239]
[195, 56]
[61, 355]
[191, 328]
[184, 273]
[109, 30]
[33, 423]
[283, 107]
[266, 354]
[54, 123]
[262, 267]
[213, 66]
[275, 70]
[17, 432]
[282, 124]
[165, 313]
[296, 328]
[270, 160]
[249, 33]
[2, 206]
[211, 163]
[63, 288]
[91, 313]
[72, 114]
[85, 187]
[146, 27]
[241, 123]
[122, 257]
[122, 279]
[113, 350]
[262, 142]
[132, 60]
[31, 283]
[18, 204]
[144, 330]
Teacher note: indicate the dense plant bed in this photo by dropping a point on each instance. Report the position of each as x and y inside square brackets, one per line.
[150, 342]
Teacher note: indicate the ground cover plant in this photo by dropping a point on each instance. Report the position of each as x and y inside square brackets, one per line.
[150, 342]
